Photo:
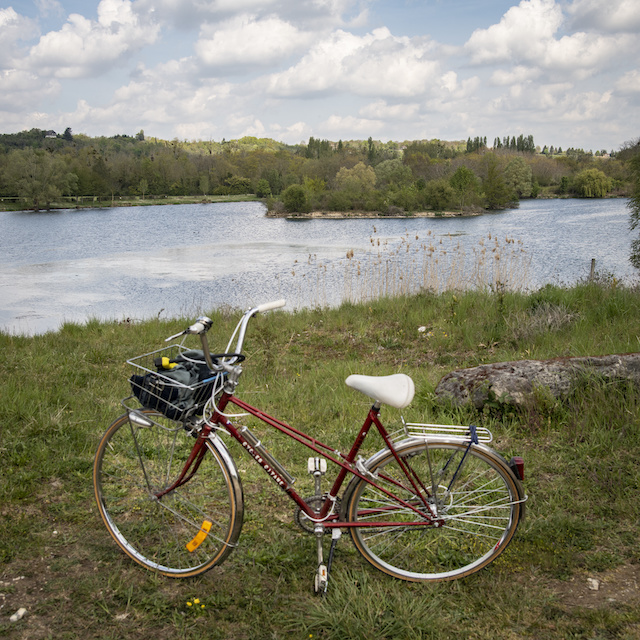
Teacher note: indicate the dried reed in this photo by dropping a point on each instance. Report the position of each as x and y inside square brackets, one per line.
[411, 265]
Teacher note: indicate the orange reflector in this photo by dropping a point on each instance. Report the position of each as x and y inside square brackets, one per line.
[199, 539]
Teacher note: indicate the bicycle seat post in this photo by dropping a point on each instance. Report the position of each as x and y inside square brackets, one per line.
[317, 467]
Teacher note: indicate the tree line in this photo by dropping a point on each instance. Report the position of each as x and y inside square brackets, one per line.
[40, 167]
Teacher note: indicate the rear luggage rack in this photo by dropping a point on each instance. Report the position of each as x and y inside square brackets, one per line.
[462, 433]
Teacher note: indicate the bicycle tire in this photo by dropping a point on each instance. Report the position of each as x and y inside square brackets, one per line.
[133, 462]
[480, 508]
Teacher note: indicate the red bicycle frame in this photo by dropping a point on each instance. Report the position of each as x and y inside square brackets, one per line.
[346, 463]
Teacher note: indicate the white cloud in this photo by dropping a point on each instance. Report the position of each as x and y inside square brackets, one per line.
[289, 69]
[49, 7]
[17, 90]
[629, 83]
[346, 127]
[528, 37]
[614, 16]
[516, 75]
[308, 14]
[584, 53]
[522, 33]
[381, 110]
[557, 103]
[450, 87]
[245, 40]
[374, 64]
[84, 48]
[13, 29]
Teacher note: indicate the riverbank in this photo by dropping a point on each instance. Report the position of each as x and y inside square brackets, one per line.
[100, 202]
[370, 215]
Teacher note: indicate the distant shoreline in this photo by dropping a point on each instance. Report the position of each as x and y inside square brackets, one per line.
[371, 215]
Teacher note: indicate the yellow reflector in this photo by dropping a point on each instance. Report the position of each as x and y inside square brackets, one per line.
[199, 539]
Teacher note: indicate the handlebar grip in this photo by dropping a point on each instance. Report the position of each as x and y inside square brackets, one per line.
[268, 306]
[197, 328]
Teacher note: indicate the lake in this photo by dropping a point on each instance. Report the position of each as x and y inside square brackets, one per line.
[141, 262]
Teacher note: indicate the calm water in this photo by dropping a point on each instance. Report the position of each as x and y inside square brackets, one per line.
[185, 259]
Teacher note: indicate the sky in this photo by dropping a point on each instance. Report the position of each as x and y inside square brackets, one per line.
[565, 71]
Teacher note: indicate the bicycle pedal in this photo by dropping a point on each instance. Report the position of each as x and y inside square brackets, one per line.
[322, 579]
[317, 466]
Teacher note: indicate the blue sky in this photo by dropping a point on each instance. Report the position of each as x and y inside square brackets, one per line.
[565, 71]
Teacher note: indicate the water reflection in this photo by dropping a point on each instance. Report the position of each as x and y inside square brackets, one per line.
[186, 259]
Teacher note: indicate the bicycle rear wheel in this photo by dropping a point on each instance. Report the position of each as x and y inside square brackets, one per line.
[185, 532]
[473, 492]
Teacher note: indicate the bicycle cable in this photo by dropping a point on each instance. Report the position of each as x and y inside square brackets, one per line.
[211, 402]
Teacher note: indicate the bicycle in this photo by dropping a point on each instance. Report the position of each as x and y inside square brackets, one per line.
[436, 503]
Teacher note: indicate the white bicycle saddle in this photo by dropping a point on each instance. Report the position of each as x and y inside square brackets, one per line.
[396, 390]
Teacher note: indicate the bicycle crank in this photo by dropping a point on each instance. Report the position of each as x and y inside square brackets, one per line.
[315, 502]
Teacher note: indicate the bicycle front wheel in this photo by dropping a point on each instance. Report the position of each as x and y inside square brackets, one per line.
[471, 490]
[179, 534]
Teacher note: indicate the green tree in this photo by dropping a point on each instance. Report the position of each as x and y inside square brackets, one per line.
[294, 199]
[592, 183]
[358, 180]
[465, 183]
[517, 177]
[274, 178]
[205, 184]
[238, 185]
[371, 150]
[39, 177]
[497, 194]
[392, 173]
[439, 195]
[263, 188]
[634, 206]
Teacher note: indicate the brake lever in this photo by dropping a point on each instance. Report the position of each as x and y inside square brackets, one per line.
[199, 327]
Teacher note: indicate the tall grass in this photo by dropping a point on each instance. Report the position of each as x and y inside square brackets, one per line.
[60, 390]
[410, 265]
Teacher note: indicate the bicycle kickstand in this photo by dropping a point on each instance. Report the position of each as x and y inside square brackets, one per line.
[322, 575]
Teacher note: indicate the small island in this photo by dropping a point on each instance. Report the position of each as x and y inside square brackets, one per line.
[366, 215]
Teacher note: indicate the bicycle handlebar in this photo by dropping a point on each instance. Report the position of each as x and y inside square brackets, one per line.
[242, 325]
[203, 324]
[268, 306]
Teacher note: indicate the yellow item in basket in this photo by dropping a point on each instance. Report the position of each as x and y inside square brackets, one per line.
[167, 364]
[200, 536]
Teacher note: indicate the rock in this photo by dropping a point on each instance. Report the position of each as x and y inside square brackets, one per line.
[514, 382]
[593, 584]
[18, 615]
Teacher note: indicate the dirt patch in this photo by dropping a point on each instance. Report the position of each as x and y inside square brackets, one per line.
[616, 586]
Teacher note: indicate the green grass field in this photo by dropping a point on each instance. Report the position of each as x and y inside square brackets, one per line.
[60, 391]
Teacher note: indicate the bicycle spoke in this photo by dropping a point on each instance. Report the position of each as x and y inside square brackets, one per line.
[133, 465]
[474, 497]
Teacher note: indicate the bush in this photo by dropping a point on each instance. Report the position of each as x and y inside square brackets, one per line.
[294, 199]
[339, 201]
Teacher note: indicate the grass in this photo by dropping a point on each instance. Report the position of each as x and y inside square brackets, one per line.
[61, 390]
